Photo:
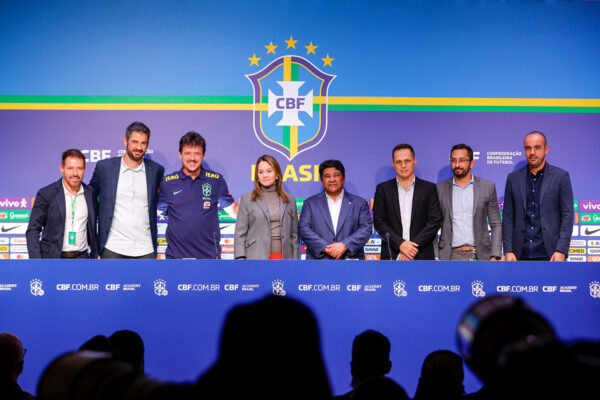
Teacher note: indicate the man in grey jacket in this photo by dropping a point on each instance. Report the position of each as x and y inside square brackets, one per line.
[467, 203]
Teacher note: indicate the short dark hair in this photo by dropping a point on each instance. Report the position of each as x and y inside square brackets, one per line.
[403, 146]
[462, 146]
[72, 153]
[537, 133]
[331, 164]
[193, 138]
[137, 127]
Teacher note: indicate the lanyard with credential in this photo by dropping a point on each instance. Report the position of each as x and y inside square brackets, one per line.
[72, 233]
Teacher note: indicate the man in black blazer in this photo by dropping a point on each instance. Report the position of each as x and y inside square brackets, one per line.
[406, 211]
[65, 213]
[128, 191]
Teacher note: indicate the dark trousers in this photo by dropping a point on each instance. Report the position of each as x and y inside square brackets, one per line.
[111, 255]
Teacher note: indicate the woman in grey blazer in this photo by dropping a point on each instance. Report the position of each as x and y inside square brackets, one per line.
[267, 220]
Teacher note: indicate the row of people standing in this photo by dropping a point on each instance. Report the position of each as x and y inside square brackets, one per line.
[334, 224]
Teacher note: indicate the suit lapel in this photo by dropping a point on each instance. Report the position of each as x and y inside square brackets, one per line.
[416, 200]
[60, 201]
[282, 207]
[449, 196]
[547, 180]
[149, 181]
[395, 198]
[116, 172]
[522, 186]
[262, 204]
[325, 211]
[346, 205]
[476, 194]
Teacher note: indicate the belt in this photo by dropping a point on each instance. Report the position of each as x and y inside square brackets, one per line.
[72, 254]
[464, 248]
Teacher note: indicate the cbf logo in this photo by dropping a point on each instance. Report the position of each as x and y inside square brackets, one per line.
[160, 287]
[278, 288]
[35, 286]
[206, 189]
[477, 289]
[290, 99]
[595, 289]
[400, 289]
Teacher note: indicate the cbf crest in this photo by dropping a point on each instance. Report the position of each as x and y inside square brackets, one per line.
[278, 289]
[290, 100]
[477, 289]
[160, 287]
[400, 288]
[35, 287]
[595, 289]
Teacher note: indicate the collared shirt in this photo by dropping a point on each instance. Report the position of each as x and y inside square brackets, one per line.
[192, 207]
[462, 214]
[406, 199]
[130, 228]
[533, 247]
[335, 206]
[75, 223]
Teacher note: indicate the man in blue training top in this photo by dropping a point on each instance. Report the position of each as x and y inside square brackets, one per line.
[191, 197]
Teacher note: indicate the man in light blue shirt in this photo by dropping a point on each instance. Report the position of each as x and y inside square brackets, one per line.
[467, 203]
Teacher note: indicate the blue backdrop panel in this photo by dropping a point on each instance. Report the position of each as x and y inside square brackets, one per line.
[54, 306]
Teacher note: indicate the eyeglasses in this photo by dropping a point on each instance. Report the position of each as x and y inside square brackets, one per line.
[459, 160]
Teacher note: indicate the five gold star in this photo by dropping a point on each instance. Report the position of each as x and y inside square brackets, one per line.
[271, 48]
[254, 60]
[327, 60]
[310, 48]
[291, 43]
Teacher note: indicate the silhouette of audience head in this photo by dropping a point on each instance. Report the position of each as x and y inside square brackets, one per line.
[370, 356]
[493, 326]
[379, 388]
[441, 376]
[269, 349]
[12, 357]
[130, 347]
[101, 344]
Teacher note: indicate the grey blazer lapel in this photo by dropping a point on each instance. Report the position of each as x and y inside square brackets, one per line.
[476, 194]
[262, 204]
[448, 197]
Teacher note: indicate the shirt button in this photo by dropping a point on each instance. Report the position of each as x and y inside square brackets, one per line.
[531, 241]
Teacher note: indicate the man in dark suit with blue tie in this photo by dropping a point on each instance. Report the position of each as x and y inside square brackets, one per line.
[128, 191]
[65, 213]
[538, 207]
[334, 224]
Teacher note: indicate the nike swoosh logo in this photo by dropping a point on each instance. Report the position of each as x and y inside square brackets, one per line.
[9, 229]
[587, 231]
[177, 192]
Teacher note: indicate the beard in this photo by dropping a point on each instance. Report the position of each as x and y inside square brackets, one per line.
[133, 156]
[461, 172]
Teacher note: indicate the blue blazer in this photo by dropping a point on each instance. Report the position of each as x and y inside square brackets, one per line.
[48, 216]
[354, 229]
[556, 210]
[105, 180]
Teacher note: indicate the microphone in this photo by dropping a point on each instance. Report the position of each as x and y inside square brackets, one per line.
[387, 240]
[214, 235]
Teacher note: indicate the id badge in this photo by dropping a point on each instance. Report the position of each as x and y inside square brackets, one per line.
[72, 237]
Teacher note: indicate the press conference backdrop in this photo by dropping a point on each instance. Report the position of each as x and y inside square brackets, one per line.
[178, 307]
[303, 82]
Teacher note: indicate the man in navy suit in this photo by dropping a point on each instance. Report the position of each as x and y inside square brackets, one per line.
[128, 190]
[334, 224]
[406, 211]
[538, 207]
[65, 213]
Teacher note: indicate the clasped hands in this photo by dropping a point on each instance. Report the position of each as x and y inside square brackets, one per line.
[336, 250]
[408, 250]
